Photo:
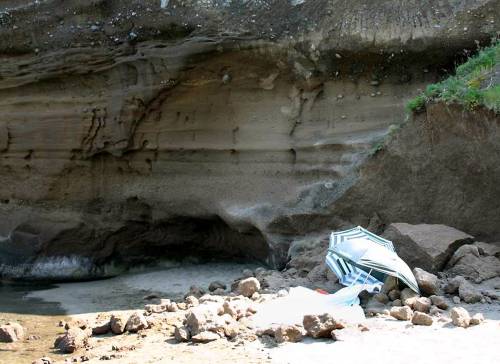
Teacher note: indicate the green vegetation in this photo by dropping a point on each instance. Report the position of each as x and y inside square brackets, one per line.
[473, 84]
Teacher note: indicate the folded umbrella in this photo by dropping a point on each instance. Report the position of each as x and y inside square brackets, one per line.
[358, 256]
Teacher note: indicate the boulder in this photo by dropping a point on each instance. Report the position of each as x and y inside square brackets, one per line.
[321, 325]
[216, 285]
[394, 294]
[191, 301]
[195, 291]
[182, 334]
[247, 287]
[231, 330]
[397, 303]
[439, 301]
[492, 249]
[428, 283]
[381, 297]
[288, 333]
[420, 318]
[451, 286]
[426, 246]
[456, 300]
[468, 293]
[435, 311]
[136, 322]
[74, 339]
[101, 328]
[460, 317]
[205, 337]
[118, 322]
[408, 297]
[470, 264]
[390, 283]
[11, 332]
[422, 304]
[403, 313]
[476, 319]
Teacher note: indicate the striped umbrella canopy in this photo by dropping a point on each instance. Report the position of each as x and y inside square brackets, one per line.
[358, 256]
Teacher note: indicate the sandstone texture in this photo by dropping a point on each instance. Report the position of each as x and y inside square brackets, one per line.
[131, 132]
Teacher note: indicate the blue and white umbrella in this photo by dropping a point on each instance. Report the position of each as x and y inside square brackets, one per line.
[358, 256]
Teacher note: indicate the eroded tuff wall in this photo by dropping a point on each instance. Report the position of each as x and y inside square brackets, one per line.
[118, 118]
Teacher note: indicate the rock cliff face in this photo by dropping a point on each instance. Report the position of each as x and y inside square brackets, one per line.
[130, 132]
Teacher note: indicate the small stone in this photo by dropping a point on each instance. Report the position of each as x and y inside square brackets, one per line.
[397, 303]
[403, 313]
[192, 301]
[11, 332]
[420, 318]
[456, 300]
[321, 325]
[44, 360]
[390, 283]
[452, 285]
[172, 307]
[216, 285]
[288, 333]
[205, 337]
[476, 319]
[460, 317]
[219, 292]
[231, 330]
[381, 297]
[74, 339]
[422, 304]
[247, 287]
[282, 293]
[408, 297]
[117, 323]
[394, 294]
[182, 334]
[469, 293]
[195, 291]
[439, 301]
[101, 328]
[427, 282]
[255, 296]
[136, 322]
[435, 311]
[81, 324]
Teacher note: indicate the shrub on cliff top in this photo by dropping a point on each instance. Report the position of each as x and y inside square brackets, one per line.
[475, 83]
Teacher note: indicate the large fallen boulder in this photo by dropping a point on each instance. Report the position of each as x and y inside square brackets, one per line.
[426, 246]
[471, 262]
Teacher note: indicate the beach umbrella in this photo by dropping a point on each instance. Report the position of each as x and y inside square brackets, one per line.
[358, 256]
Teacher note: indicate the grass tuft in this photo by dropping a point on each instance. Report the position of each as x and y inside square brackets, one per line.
[474, 84]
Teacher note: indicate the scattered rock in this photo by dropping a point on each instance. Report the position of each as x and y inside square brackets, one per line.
[408, 297]
[426, 246]
[468, 293]
[390, 283]
[460, 317]
[439, 301]
[394, 294]
[101, 328]
[182, 334]
[288, 333]
[397, 303]
[456, 300]
[117, 323]
[375, 307]
[435, 311]
[381, 297]
[74, 339]
[488, 249]
[216, 285]
[192, 301]
[427, 282]
[205, 337]
[476, 319]
[247, 287]
[11, 332]
[403, 313]
[422, 304]
[44, 360]
[247, 273]
[195, 291]
[420, 318]
[172, 307]
[451, 286]
[136, 322]
[81, 324]
[468, 262]
[321, 325]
